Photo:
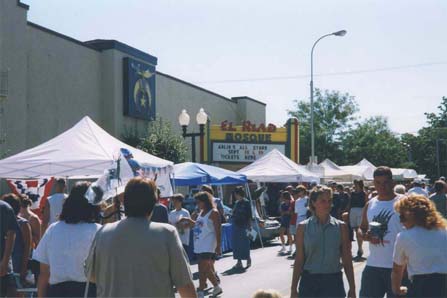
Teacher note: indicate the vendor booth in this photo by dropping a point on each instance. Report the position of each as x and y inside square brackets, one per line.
[331, 171]
[85, 151]
[191, 174]
[276, 167]
[400, 174]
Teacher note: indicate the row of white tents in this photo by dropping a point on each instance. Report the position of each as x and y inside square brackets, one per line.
[86, 150]
[362, 170]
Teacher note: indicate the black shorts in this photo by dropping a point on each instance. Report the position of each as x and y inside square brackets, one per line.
[285, 222]
[206, 256]
[311, 285]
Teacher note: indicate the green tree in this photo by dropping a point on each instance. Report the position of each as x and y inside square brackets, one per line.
[159, 140]
[334, 112]
[373, 139]
[429, 142]
[440, 119]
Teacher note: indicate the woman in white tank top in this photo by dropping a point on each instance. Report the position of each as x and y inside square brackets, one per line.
[207, 239]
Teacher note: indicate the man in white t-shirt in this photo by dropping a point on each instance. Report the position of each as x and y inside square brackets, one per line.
[53, 206]
[176, 215]
[417, 188]
[380, 226]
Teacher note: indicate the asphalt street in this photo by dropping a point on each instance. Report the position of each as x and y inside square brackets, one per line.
[269, 271]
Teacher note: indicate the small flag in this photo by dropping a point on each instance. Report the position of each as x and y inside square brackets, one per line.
[37, 190]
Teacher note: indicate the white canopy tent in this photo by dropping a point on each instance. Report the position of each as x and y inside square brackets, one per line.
[84, 150]
[334, 172]
[363, 169]
[276, 167]
[402, 174]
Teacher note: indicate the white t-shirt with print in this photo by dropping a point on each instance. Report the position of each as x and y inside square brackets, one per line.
[65, 247]
[174, 217]
[423, 251]
[381, 255]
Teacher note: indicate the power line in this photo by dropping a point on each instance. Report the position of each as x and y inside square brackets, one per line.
[295, 77]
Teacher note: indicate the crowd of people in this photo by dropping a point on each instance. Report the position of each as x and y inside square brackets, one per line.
[406, 229]
[136, 247]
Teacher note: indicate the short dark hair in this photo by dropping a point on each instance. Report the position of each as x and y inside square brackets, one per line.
[383, 171]
[359, 182]
[206, 198]
[13, 200]
[340, 187]
[239, 191]
[60, 182]
[286, 195]
[178, 197]
[439, 185]
[208, 189]
[76, 207]
[139, 197]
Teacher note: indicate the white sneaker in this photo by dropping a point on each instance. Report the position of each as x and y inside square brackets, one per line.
[217, 290]
[282, 250]
[200, 294]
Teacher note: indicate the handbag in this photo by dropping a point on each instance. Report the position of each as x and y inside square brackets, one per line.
[252, 234]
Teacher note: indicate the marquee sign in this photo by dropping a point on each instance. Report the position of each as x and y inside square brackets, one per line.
[236, 152]
[247, 142]
[139, 89]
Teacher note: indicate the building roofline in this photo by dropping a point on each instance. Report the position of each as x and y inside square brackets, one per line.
[68, 38]
[107, 44]
[22, 5]
[196, 87]
[249, 98]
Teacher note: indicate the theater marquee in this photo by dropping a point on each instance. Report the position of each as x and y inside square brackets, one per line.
[245, 143]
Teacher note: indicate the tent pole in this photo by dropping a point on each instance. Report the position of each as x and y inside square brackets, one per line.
[247, 189]
[174, 190]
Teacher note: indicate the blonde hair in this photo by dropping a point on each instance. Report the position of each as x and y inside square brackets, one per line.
[423, 210]
[267, 294]
[316, 192]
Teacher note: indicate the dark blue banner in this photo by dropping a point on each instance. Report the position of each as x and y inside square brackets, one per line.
[139, 89]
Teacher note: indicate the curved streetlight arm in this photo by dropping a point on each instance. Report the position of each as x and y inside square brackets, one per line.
[312, 53]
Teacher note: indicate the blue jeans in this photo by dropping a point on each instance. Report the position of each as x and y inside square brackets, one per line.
[376, 282]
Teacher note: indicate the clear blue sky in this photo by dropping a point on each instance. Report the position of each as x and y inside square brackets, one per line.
[213, 42]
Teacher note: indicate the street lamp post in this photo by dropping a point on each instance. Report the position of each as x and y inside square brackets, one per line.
[201, 119]
[312, 131]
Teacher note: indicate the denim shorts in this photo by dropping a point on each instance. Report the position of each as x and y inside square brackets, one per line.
[376, 282]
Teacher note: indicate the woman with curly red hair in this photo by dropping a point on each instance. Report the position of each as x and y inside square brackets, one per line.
[421, 247]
